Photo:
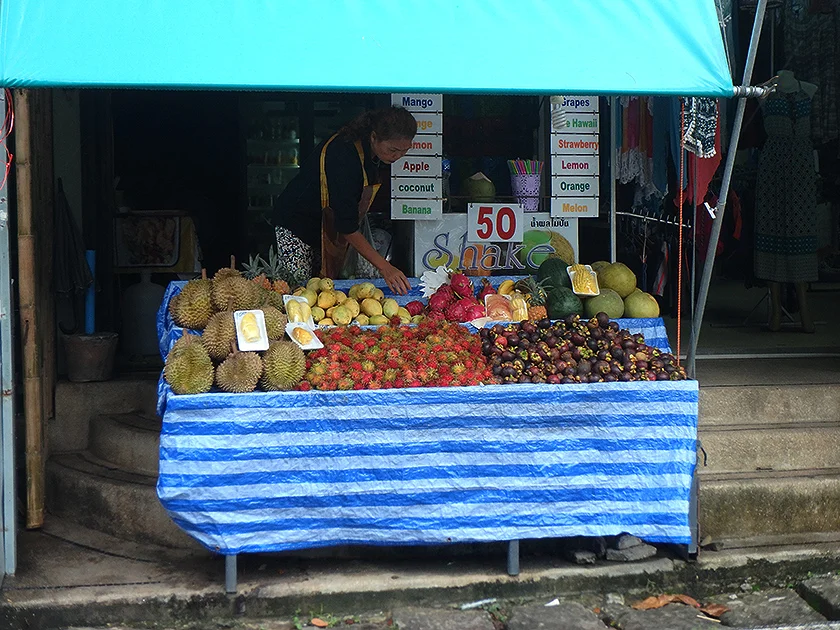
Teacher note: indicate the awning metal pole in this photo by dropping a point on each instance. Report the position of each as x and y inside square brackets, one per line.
[724, 192]
[8, 512]
[613, 173]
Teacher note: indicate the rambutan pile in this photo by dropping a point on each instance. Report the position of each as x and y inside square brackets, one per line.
[432, 354]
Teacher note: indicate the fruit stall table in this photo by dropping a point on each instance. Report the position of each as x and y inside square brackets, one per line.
[279, 471]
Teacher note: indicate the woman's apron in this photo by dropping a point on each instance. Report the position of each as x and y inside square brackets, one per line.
[334, 245]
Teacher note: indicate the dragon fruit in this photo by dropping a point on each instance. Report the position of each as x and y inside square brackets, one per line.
[475, 311]
[435, 316]
[456, 312]
[486, 289]
[461, 285]
[438, 301]
[414, 308]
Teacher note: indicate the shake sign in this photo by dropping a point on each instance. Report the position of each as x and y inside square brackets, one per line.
[446, 242]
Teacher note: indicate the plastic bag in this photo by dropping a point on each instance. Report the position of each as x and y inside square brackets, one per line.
[357, 266]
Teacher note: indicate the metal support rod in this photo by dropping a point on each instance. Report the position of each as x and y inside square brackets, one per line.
[513, 557]
[693, 519]
[613, 169]
[724, 192]
[7, 385]
[230, 574]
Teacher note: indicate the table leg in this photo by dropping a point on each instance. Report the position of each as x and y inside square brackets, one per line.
[513, 557]
[692, 516]
[230, 574]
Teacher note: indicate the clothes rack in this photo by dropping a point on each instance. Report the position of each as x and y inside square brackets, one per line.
[647, 217]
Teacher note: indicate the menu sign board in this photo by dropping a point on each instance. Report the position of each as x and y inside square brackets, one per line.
[416, 179]
[575, 155]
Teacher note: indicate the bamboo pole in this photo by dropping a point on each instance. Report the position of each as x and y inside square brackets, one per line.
[46, 222]
[33, 401]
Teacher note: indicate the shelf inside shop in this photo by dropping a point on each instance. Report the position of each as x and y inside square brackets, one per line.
[274, 143]
[272, 167]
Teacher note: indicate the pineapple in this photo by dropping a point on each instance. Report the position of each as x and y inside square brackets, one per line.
[254, 271]
[274, 273]
[536, 294]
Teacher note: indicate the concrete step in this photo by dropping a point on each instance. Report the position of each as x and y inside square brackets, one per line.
[95, 494]
[128, 441]
[768, 404]
[774, 446]
[769, 503]
[76, 404]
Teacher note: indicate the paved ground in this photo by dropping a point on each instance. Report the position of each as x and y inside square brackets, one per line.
[805, 606]
[68, 580]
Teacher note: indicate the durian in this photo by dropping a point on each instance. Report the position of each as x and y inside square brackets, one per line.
[219, 334]
[275, 322]
[285, 365]
[188, 368]
[240, 372]
[228, 272]
[194, 305]
[272, 298]
[237, 294]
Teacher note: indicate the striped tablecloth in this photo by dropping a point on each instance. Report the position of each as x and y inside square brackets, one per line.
[268, 472]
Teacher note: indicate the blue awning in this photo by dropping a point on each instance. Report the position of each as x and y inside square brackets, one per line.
[512, 46]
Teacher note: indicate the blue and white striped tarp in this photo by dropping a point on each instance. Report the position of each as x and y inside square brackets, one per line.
[267, 472]
[277, 471]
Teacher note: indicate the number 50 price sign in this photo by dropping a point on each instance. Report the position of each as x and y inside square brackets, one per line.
[494, 223]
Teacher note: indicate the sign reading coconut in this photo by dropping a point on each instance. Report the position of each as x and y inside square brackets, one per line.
[575, 156]
[416, 179]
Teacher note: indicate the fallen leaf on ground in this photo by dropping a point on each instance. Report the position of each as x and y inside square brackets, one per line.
[688, 601]
[320, 623]
[663, 600]
[714, 610]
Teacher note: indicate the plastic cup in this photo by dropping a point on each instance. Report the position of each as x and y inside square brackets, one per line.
[526, 189]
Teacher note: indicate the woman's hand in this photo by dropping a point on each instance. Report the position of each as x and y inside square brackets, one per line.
[395, 279]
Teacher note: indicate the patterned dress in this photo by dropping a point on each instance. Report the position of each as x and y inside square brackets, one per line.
[786, 193]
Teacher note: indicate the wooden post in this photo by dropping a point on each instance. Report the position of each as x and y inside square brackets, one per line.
[33, 400]
[45, 219]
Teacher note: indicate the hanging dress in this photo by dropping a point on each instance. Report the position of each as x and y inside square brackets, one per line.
[786, 193]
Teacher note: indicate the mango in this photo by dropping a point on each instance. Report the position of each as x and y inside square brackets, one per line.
[353, 306]
[340, 297]
[326, 284]
[313, 284]
[341, 316]
[371, 307]
[362, 320]
[310, 296]
[326, 322]
[326, 299]
[378, 295]
[390, 307]
[318, 314]
[378, 320]
[365, 291]
[404, 315]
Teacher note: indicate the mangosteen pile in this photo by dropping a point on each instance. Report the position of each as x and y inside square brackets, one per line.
[574, 350]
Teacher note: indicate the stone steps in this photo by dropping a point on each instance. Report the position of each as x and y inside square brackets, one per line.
[772, 455]
[96, 494]
[128, 441]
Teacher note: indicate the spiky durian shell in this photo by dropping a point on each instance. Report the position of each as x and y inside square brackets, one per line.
[272, 298]
[173, 305]
[240, 372]
[285, 366]
[236, 294]
[188, 368]
[194, 306]
[219, 334]
[226, 272]
[275, 322]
